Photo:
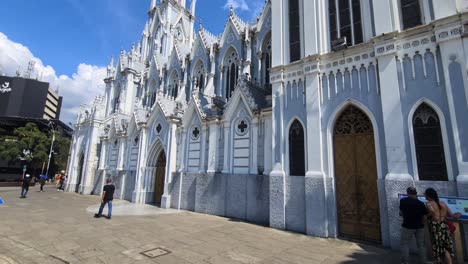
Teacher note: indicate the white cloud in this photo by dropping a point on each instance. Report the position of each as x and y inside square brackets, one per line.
[81, 88]
[237, 4]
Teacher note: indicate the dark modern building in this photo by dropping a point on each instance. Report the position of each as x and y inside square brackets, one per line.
[25, 101]
[20, 97]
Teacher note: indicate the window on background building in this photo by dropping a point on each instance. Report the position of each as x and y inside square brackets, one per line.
[430, 155]
[231, 73]
[294, 31]
[345, 23]
[411, 13]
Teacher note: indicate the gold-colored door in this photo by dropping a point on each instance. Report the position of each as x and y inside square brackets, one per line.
[159, 178]
[356, 177]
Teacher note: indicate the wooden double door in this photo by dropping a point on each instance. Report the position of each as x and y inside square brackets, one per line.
[356, 177]
[159, 178]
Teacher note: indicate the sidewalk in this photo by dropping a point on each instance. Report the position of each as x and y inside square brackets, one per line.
[57, 227]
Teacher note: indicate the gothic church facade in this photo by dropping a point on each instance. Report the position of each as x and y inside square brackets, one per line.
[312, 119]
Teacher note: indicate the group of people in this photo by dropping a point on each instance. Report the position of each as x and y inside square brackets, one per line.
[414, 213]
[59, 182]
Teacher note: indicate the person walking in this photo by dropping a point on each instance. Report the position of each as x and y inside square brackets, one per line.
[25, 185]
[413, 211]
[42, 181]
[61, 180]
[107, 197]
[442, 244]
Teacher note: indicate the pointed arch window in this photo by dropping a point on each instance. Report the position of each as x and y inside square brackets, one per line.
[200, 76]
[231, 72]
[296, 149]
[345, 22]
[430, 155]
[173, 89]
[266, 61]
[411, 13]
[294, 31]
[116, 101]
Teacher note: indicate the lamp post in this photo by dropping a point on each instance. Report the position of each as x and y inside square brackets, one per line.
[51, 147]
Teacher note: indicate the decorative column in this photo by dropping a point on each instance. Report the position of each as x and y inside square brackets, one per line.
[260, 67]
[204, 132]
[171, 163]
[183, 164]
[254, 158]
[221, 80]
[277, 175]
[398, 176]
[268, 153]
[213, 147]
[454, 65]
[102, 159]
[121, 157]
[315, 181]
[138, 194]
[226, 168]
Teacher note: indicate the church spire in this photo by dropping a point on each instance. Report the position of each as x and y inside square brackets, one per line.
[153, 4]
[193, 4]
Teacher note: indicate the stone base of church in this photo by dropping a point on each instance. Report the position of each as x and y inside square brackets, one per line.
[238, 196]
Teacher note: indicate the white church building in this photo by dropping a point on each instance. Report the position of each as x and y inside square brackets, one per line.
[313, 118]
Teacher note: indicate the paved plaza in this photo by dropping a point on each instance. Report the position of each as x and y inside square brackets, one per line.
[57, 227]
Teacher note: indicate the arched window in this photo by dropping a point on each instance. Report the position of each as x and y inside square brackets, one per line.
[429, 145]
[173, 88]
[116, 100]
[294, 31]
[231, 72]
[199, 74]
[296, 150]
[345, 23]
[410, 13]
[266, 61]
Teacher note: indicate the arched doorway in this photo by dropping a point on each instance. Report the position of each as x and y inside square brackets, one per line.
[159, 178]
[429, 145]
[356, 176]
[296, 149]
[79, 173]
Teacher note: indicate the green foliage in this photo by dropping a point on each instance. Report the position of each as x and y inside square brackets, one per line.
[31, 146]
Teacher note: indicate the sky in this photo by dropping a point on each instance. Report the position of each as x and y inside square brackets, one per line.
[71, 41]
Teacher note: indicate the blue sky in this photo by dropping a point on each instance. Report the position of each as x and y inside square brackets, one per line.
[71, 41]
[64, 33]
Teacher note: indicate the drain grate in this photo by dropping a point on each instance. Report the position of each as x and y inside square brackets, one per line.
[156, 252]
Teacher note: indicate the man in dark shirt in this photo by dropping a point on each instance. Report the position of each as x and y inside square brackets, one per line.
[107, 197]
[25, 185]
[413, 211]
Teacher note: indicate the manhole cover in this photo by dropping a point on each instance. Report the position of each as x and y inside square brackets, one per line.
[156, 252]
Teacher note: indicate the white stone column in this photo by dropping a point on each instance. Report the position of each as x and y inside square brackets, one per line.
[183, 164]
[227, 137]
[397, 161]
[221, 80]
[254, 148]
[102, 159]
[452, 51]
[121, 154]
[384, 18]
[268, 154]
[138, 195]
[204, 132]
[171, 160]
[213, 148]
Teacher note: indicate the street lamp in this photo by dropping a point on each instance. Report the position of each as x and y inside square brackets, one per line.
[51, 125]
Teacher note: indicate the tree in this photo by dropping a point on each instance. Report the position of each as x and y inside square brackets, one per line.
[27, 144]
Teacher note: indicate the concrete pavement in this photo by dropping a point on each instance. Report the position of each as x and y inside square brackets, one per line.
[57, 227]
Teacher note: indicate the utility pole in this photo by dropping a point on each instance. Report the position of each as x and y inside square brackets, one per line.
[51, 147]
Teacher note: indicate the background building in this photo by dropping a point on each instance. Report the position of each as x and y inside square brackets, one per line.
[25, 101]
[21, 97]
